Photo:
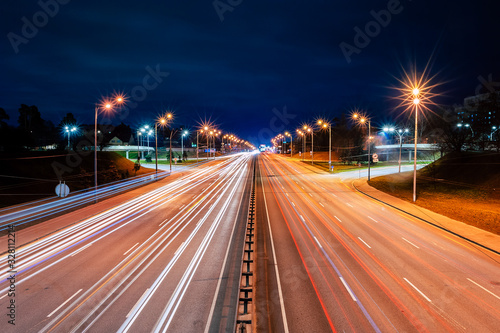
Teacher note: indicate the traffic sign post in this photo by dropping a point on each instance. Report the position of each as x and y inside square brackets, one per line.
[62, 190]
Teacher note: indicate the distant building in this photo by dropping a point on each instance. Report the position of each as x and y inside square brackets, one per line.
[480, 111]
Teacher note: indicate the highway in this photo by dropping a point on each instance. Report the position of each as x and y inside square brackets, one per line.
[331, 259]
[166, 257]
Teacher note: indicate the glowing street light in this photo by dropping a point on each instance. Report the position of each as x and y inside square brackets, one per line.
[69, 130]
[400, 134]
[106, 105]
[291, 143]
[329, 126]
[363, 120]
[162, 121]
[182, 143]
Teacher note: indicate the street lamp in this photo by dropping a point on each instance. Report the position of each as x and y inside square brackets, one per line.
[493, 130]
[69, 130]
[416, 102]
[291, 143]
[363, 120]
[299, 132]
[400, 134]
[325, 125]
[170, 117]
[161, 121]
[182, 143]
[105, 105]
[310, 130]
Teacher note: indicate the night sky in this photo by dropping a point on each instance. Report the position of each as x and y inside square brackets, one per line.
[252, 67]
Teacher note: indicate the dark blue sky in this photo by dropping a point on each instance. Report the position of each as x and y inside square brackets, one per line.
[263, 56]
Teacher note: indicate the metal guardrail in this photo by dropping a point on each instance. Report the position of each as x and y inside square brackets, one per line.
[246, 297]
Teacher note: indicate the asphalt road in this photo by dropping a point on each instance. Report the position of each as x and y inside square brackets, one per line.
[331, 259]
[167, 257]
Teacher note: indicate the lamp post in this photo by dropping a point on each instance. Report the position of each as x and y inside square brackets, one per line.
[400, 134]
[325, 125]
[299, 132]
[106, 105]
[363, 120]
[416, 102]
[69, 131]
[311, 130]
[161, 121]
[291, 143]
[493, 130]
[182, 143]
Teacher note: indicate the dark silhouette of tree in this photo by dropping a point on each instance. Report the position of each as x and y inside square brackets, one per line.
[3, 116]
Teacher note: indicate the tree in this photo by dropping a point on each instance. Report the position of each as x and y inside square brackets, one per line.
[3, 116]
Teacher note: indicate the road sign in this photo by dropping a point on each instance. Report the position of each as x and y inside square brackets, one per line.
[62, 190]
[375, 156]
[375, 160]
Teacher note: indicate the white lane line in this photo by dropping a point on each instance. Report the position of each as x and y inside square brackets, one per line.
[480, 286]
[182, 206]
[303, 188]
[286, 194]
[410, 242]
[364, 243]
[293, 204]
[334, 195]
[137, 303]
[302, 218]
[348, 289]
[421, 293]
[163, 222]
[321, 204]
[130, 249]
[317, 242]
[371, 218]
[310, 194]
[280, 292]
[337, 218]
[60, 306]
[3, 296]
[348, 204]
[80, 250]
[175, 253]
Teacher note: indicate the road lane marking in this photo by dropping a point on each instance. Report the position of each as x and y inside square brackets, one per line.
[280, 292]
[131, 249]
[182, 206]
[175, 253]
[60, 306]
[337, 218]
[371, 218]
[286, 194]
[321, 204]
[410, 242]
[303, 188]
[348, 289]
[310, 194]
[364, 243]
[480, 286]
[137, 303]
[163, 222]
[293, 204]
[3, 296]
[348, 204]
[80, 250]
[334, 195]
[421, 293]
[317, 242]
[302, 218]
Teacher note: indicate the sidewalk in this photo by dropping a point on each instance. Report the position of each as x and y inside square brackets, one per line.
[465, 231]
